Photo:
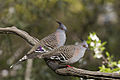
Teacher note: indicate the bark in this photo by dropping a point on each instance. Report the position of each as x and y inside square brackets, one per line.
[87, 74]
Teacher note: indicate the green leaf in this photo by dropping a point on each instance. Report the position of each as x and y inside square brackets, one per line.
[114, 64]
[89, 38]
[119, 62]
[103, 48]
[107, 54]
[88, 41]
[104, 43]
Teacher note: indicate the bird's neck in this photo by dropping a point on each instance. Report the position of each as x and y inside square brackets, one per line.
[61, 37]
[60, 30]
[83, 48]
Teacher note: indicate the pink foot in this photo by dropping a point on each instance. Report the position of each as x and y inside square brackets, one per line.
[68, 66]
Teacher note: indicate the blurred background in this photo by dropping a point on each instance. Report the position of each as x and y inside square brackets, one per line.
[37, 17]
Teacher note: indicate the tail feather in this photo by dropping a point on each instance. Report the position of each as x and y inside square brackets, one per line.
[21, 60]
[26, 57]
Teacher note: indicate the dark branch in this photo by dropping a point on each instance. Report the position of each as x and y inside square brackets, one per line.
[8, 30]
[62, 71]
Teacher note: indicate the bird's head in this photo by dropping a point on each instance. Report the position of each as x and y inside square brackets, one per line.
[61, 26]
[84, 44]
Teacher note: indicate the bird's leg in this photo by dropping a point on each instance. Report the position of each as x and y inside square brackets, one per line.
[69, 66]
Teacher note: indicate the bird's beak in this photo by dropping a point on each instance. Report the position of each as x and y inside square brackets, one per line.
[58, 22]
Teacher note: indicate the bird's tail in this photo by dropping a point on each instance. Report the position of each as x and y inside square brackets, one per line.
[20, 60]
[26, 57]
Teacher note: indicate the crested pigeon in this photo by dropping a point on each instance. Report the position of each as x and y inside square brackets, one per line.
[52, 41]
[66, 54]
[49, 42]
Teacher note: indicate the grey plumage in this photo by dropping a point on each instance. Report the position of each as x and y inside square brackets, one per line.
[53, 40]
[67, 54]
[50, 42]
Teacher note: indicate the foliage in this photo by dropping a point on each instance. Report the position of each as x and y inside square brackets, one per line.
[98, 47]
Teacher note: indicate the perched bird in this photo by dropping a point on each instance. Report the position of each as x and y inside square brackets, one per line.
[49, 42]
[52, 41]
[66, 54]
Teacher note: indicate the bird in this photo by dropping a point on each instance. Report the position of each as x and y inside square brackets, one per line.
[50, 42]
[67, 54]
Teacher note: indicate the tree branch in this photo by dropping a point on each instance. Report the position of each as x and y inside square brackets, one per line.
[8, 30]
[87, 74]
[62, 71]
[76, 72]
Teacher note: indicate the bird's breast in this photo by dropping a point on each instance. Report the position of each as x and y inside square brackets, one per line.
[61, 37]
[78, 53]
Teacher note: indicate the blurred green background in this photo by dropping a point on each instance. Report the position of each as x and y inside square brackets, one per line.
[37, 17]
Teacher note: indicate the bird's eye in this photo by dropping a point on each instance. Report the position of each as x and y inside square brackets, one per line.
[84, 46]
[62, 28]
